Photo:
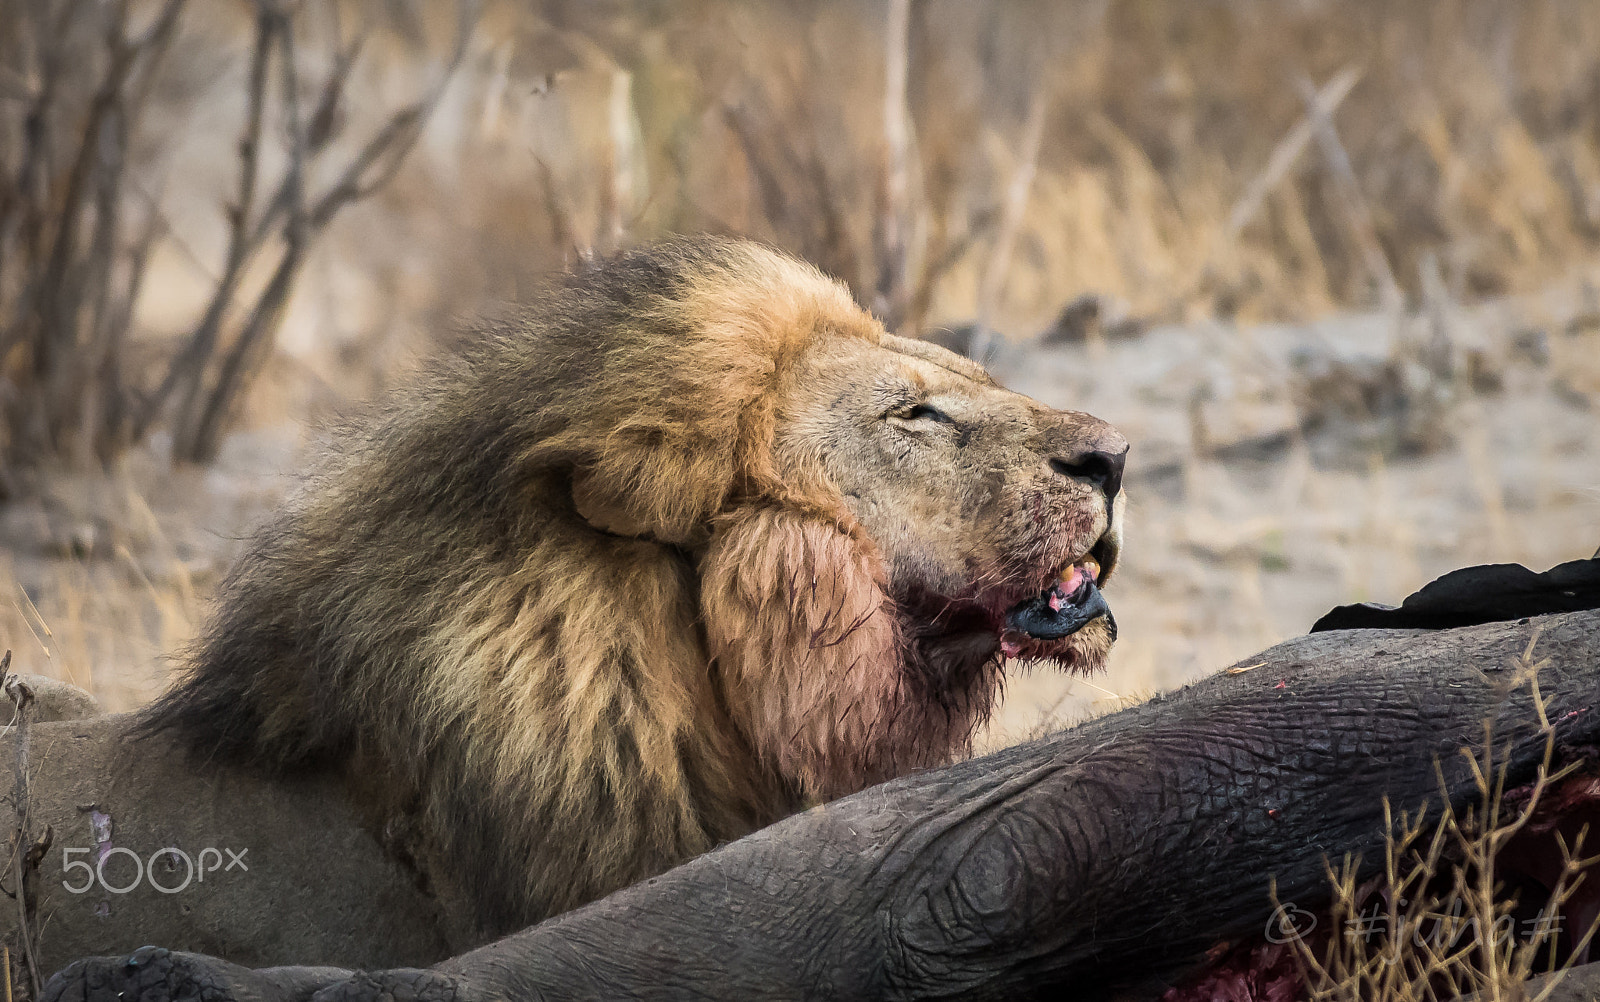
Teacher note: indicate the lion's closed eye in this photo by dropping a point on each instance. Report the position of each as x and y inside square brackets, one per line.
[922, 412]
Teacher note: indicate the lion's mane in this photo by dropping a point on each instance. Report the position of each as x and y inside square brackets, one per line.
[555, 608]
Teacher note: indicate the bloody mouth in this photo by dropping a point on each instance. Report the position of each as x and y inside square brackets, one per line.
[1071, 602]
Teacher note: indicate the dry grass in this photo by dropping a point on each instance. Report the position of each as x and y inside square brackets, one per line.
[1469, 127]
[1469, 133]
[1438, 922]
[85, 608]
[1170, 158]
[104, 629]
[105, 574]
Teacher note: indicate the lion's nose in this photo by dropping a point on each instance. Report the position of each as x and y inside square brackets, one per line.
[1100, 467]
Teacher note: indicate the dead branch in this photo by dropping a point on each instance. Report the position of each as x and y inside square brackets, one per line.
[891, 295]
[73, 254]
[563, 234]
[186, 367]
[26, 851]
[60, 231]
[1016, 203]
[1286, 153]
[799, 197]
[193, 419]
[202, 420]
[620, 156]
[1358, 217]
[940, 256]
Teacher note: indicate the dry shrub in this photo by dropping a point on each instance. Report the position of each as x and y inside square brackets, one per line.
[80, 213]
[1441, 921]
[1469, 131]
[987, 160]
[1162, 184]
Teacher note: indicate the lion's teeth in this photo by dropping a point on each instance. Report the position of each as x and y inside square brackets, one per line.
[1089, 567]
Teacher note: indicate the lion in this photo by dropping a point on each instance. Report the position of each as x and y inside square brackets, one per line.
[690, 545]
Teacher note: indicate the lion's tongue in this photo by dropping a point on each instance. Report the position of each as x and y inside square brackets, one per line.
[1061, 593]
[1061, 610]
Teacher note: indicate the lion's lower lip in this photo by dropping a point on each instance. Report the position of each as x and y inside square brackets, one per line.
[1052, 615]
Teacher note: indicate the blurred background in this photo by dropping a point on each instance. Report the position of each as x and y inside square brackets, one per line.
[1331, 265]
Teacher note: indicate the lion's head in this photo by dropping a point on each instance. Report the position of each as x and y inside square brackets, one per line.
[691, 542]
[881, 522]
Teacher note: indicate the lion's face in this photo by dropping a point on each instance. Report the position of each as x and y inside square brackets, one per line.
[872, 521]
[997, 518]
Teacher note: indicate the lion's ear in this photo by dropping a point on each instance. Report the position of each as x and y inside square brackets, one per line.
[604, 510]
[805, 644]
[653, 504]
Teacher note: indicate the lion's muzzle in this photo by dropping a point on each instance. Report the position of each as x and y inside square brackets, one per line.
[1067, 606]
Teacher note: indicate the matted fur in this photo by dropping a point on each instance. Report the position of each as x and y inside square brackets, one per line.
[588, 600]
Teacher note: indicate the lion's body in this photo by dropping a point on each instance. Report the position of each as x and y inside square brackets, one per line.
[569, 613]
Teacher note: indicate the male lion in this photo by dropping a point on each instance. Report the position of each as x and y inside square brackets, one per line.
[686, 547]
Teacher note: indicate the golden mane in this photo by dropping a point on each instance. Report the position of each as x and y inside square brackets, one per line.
[557, 608]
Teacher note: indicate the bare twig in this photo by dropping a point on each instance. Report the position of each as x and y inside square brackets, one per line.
[1282, 159]
[1357, 215]
[293, 216]
[72, 272]
[1443, 929]
[563, 234]
[54, 301]
[198, 414]
[1286, 153]
[621, 156]
[893, 218]
[98, 377]
[26, 851]
[187, 366]
[23, 219]
[938, 260]
[798, 196]
[63, 230]
[380, 159]
[326, 118]
[1016, 203]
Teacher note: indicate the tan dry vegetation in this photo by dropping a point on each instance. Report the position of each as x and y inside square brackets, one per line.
[1167, 180]
[1407, 194]
[1442, 920]
[1469, 126]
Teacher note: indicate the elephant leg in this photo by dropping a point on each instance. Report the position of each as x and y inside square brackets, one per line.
[151, 974]
[154, 974]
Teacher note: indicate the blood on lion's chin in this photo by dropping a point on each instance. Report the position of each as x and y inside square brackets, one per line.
[688, 543]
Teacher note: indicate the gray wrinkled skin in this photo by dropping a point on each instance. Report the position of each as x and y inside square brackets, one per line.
[1098, 860]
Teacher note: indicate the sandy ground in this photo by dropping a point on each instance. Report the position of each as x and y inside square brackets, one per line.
[1243, 528]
